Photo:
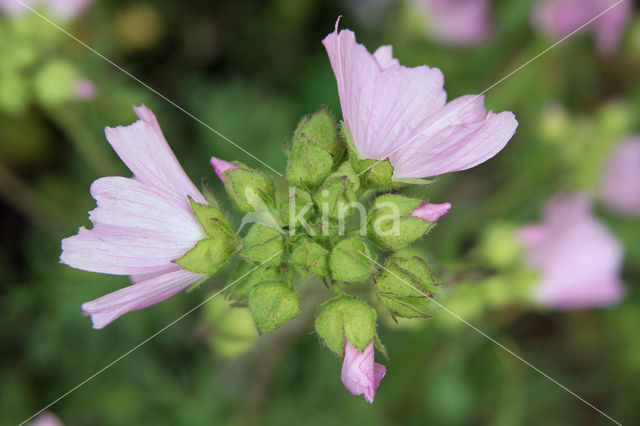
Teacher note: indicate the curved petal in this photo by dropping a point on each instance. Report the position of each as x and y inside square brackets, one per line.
[145, 151]
[360, 374]
[384, 56]
[107, 308]
[381, 106]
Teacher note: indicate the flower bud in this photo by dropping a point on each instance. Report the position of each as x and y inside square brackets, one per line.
[373, 173]
[349, 261]
[308, 257]
[272, 304]
[248, 189]
[338, 195]
[316, 149]
[263, 244]
[210, 254]
[230, 329]
[360, 374]
[345, 317]
[395, 221]
[406, 286]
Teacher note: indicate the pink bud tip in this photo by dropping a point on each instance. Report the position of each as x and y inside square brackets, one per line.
[360, 374]
[431, 212]
[221, 166]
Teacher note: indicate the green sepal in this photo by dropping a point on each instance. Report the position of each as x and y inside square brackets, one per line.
[374, 173]
[320, 127]
[390, 225]
[272, 304]
[209, 255]
[347, 262]
[248, 188]
[246, 276]
[340, 189]
[406, 286]
[345, 317]
[308, 257]
[212, 219]
[309, 164]
[263, 244]
[209, 195]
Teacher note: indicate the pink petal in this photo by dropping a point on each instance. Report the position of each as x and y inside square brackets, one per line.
[137, 230]
[143, 148]
[68, 9]
[620, 187]
[107, 308]
[360, 374]
[381, 107]
[384, 56]
[46, 419]
[460, 22]
[431, 212]
[579, 259]
[221, 166]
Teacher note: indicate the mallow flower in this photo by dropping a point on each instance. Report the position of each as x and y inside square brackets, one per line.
[559, 18]
[141, 225]
[360, 374]
[456, 22]
[400, 114]
[620, 185]
[578, 257]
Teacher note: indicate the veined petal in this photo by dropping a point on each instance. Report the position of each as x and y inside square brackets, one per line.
[145, 151]
[384, 56]
[382, 103]
[137, 296]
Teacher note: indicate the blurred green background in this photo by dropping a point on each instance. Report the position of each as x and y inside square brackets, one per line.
[251, 69]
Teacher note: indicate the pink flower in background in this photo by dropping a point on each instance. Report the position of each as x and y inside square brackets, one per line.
[431, 212]
[64, 9]
[46, 419]
[457, 22]
[578, 257]
[140, 224]
[559, 18]
[85, 89]
[360, 374]
[620, 187]
[401, 113]
[221, 166]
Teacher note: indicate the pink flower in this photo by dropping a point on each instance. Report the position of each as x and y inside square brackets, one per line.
[64, 9]
[360, 375]
[457, 22]
[84, 89]
[620, 187]
[141, 224]
[578, 256]
[559, 18]
[221, 166]
[400, 113]
[431, 212]
[46, 419]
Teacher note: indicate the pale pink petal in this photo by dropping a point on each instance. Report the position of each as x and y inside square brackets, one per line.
[610, 27]
[381, 107]
[67, 9]
[459, 22]
[107, 308]
[12, 7]
[384, 56]
[579, 259]
[221, 166]
[620, 187]
[137, 278]
[46, 419]
[137, 230]
[431, 212]
[143, 148]
[360, 374]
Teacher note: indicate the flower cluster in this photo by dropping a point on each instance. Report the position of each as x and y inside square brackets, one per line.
[398, 129]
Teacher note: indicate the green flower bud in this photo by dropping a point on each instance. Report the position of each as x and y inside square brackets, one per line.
[272, 304]
[347, 262]
[373, 173]
[345, 317]
[406, 286]
[338, 195]
[320, 127]
[297, 210]
[246, 276]
[308, 257]
[248, 189]
[390, 223]
[308, 164]
[263, 244]
[230, 330]
[210, 254]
